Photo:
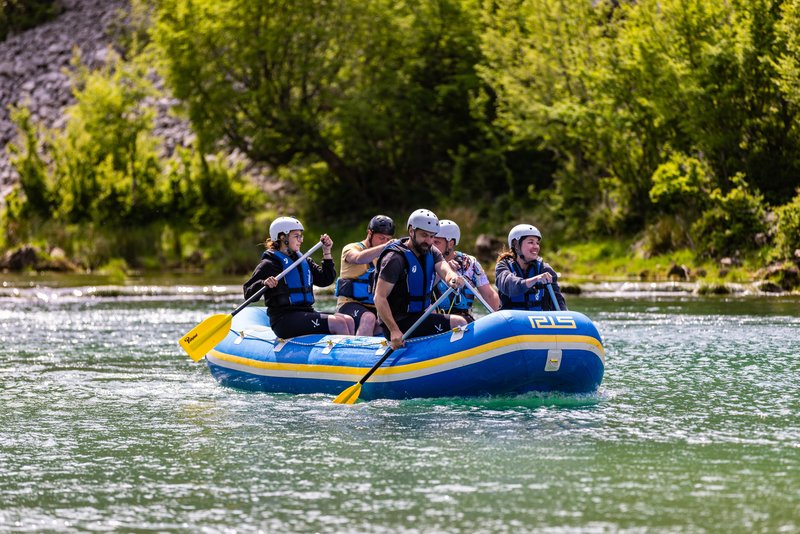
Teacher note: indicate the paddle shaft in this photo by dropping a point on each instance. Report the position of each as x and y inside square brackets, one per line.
[553, 297]
[283, 273]
[407, 333]
[478, 295]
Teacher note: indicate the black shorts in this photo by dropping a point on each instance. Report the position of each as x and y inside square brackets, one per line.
[355, 310]
[300, 323]
[435, 323]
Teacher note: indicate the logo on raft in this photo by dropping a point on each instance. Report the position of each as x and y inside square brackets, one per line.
[549, 321]
[189, 339]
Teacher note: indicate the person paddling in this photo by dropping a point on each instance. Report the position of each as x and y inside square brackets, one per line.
[358, 265]
[290, 300]
[404, 280]
[465, 265]
[521, 275]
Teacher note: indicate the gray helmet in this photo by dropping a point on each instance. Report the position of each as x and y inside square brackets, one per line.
[283, 225]
[424, 220]
[449, 230]
[522, 230]
[381, 224]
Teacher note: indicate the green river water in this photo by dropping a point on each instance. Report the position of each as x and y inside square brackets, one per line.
[105, 425]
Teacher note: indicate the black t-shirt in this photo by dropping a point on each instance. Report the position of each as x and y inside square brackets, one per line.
[393, 270]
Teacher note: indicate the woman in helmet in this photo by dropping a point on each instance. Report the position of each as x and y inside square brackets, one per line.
[521, 275]
[404, 278]
[290, 300]
[353, 288]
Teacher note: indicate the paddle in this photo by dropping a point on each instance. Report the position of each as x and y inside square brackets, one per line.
[350, 395]
[553, 297]
[205, 336]
[478, 296]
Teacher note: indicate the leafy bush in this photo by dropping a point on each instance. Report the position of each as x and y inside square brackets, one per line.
[100, 189]
[729, 227]
[787, 237]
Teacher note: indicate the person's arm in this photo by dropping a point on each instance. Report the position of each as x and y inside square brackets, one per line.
[510, 284]
[381, 298]
[483, 286]
[263, 270]
[562, 303]
[490, 296]
[322, 275]
[446, 272]
[360, 257]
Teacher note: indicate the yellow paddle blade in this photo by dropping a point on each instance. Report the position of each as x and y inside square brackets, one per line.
[205, 336]
[350, 395]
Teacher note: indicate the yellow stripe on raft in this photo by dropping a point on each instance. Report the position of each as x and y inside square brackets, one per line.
[357, 372]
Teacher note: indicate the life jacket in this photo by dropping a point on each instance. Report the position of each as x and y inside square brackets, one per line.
[419, 284]
[531, 299]
[460, 303]
[299, 280]
[357, 288]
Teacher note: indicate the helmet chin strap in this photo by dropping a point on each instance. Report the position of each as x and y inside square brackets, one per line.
[520, 255]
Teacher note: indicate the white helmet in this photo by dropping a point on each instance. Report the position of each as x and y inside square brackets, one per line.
[283, 225]
[449, 230]
[522, 230]
[424, 220]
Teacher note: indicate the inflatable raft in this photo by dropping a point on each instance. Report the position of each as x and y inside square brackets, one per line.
[506, 352]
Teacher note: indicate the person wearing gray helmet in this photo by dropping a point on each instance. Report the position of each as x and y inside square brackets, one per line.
[521, 275]
[404, 279]
[290, 300]
[353, 288]
[467, 266]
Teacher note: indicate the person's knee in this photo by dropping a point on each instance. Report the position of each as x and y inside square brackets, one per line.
[337, 324]
[366, 327]
[344, 324]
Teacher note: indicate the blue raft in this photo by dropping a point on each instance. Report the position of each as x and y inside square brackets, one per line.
[506, 352]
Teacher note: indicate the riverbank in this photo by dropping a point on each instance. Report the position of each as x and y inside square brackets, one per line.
[55, 287]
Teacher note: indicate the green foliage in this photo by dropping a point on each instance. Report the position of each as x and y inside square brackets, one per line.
[787, 238]
[100, 189]
[730, 226]
[359, 103]
[20, 15]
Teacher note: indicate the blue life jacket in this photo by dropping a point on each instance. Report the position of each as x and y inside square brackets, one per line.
[463, 300]
[419, 284]
[531, 299]
[357, 288]
[298, 280]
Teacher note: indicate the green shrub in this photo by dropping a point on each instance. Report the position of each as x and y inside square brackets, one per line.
[787, 236]
[730, 226]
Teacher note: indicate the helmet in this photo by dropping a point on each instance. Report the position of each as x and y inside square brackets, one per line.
[424, 220]
[283, 225]
[449, 230]
[522, 230]
[381, 224]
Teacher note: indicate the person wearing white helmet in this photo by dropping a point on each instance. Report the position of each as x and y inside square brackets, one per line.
[404, 279]
[465, 265]
[358, 265]
[290, 300]
[521, 275]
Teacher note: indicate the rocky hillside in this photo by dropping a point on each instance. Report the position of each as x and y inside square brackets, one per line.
[33, 65]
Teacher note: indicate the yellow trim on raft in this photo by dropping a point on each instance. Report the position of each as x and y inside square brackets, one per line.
[410, 367]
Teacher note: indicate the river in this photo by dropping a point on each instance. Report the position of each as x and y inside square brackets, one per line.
[106, 425]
